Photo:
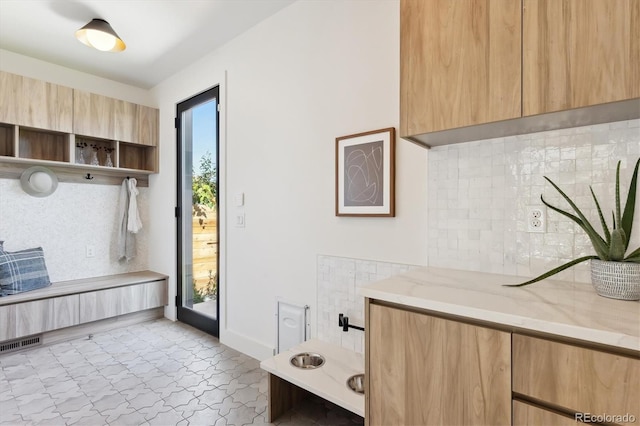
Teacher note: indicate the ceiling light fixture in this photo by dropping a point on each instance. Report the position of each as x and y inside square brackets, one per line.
[99, 35]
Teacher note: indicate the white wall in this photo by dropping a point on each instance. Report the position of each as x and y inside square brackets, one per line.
[478, 193]
[76, 215]
[314, 71]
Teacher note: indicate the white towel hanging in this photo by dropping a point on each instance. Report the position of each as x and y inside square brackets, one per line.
[134, 224]
[126, 240]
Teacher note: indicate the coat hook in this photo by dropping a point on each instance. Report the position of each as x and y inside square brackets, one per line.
[88, 176]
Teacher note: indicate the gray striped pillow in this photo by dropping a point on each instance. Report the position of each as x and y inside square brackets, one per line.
[22, 270]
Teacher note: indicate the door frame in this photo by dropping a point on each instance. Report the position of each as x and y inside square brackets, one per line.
[189, 316]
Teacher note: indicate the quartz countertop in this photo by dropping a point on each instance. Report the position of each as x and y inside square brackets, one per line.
[560, 308]
[329, 381]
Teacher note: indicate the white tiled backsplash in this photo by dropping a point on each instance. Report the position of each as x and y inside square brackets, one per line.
[339, 279]
[478, 193]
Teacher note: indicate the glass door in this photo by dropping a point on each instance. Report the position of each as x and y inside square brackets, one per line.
[197, 213]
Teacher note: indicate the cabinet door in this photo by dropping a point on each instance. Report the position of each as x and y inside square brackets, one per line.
[8, 321]
[97, 305]
[35, 103]
[428, 370]
[10, 90]
[45, 105]
[459, 63]
[43, 315]
[576, 378]
[579, 52]
[147, 132]
[126, 117]
[93, 115]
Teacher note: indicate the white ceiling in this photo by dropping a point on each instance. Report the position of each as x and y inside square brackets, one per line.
[162, 36]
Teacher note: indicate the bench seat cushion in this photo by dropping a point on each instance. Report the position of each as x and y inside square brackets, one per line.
[22, 270]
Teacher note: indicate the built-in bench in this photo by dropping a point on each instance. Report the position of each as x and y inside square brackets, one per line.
[69, 309]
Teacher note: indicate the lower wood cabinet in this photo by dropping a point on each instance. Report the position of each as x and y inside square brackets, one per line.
[575, 378]
[28, 317]
[97, 305]
[38, 316]
[424, 370]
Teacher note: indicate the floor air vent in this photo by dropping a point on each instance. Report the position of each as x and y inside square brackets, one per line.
[16, 345]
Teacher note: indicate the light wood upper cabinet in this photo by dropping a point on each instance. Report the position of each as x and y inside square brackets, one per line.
[108, 118]
[10, 90]
[578, 53]
[35, 103]
[94, 115]
[147, 121]
[460, 63]
[425, 370]
[126, 114]
[103, 117]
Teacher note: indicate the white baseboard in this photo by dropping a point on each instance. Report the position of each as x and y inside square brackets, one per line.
[246, 345]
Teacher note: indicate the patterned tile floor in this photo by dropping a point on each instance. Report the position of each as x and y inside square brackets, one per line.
[155, 373]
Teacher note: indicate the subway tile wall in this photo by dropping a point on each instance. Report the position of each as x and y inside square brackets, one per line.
[478, 193]
[338, 281]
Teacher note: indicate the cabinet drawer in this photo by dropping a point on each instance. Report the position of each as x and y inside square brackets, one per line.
[525, 414]
[576, 378]
[38, 316]
[97, 305]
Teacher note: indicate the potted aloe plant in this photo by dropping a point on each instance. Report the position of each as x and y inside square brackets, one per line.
[614, 273]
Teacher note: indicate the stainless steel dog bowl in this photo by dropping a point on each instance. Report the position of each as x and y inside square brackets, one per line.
[356, 383]
[307, 360]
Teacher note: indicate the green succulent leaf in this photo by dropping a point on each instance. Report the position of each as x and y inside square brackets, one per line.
[618, 245]
[634, 256]
[605, 228]
[599, 244]
[627, 217]
[618, 216]
[553, 271]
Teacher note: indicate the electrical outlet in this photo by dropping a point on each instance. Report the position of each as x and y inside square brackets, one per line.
[90, 251]
[536, 219]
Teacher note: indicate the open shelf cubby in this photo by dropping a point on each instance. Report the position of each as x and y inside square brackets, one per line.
[137, 157]
[100, 146]
[7, 145]
[43, 145]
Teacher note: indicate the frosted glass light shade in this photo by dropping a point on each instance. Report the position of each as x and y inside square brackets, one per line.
[99, 35]
[41, 181]
[38, 181]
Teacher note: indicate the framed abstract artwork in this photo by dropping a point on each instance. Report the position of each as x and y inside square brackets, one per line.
[365, 174]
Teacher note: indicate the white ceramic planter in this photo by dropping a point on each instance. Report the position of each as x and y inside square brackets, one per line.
[616, 280]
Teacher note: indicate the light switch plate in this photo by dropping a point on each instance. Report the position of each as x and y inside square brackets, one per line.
[240, 220]
[239, 199]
